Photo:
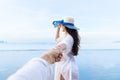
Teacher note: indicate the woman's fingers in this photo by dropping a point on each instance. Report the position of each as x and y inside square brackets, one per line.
[58, 58]
[59, 25]
[60, 55]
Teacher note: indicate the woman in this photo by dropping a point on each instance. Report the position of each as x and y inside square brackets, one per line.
[67, 69]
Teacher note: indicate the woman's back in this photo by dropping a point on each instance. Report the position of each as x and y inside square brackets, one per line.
[67, 66]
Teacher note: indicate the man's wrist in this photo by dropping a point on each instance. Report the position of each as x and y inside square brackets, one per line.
[48, 58]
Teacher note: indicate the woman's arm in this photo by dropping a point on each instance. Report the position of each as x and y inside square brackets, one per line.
[57, 33]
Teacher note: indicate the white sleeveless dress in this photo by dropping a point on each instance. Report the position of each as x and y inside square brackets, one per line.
[67, 66]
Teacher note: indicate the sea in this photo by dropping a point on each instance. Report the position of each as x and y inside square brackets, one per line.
[96, 61]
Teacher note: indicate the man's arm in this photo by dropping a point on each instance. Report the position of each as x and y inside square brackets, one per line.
[35, 69]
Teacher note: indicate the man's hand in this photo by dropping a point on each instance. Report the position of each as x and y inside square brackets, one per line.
[51, 56]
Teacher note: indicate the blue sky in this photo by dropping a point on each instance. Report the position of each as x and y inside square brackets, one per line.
[31, 20]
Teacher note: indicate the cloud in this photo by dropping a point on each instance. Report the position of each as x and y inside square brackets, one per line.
[25, 20]
[20, 23]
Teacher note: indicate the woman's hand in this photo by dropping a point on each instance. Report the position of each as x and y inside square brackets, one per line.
[58, 58]
[59, 26]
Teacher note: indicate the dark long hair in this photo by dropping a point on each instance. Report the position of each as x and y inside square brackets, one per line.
[76, 38]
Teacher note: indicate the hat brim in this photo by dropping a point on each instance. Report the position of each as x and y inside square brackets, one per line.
[68, 25]
[71, 27]
[56, 23]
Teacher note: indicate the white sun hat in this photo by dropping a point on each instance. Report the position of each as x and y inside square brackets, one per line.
[67, 22]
